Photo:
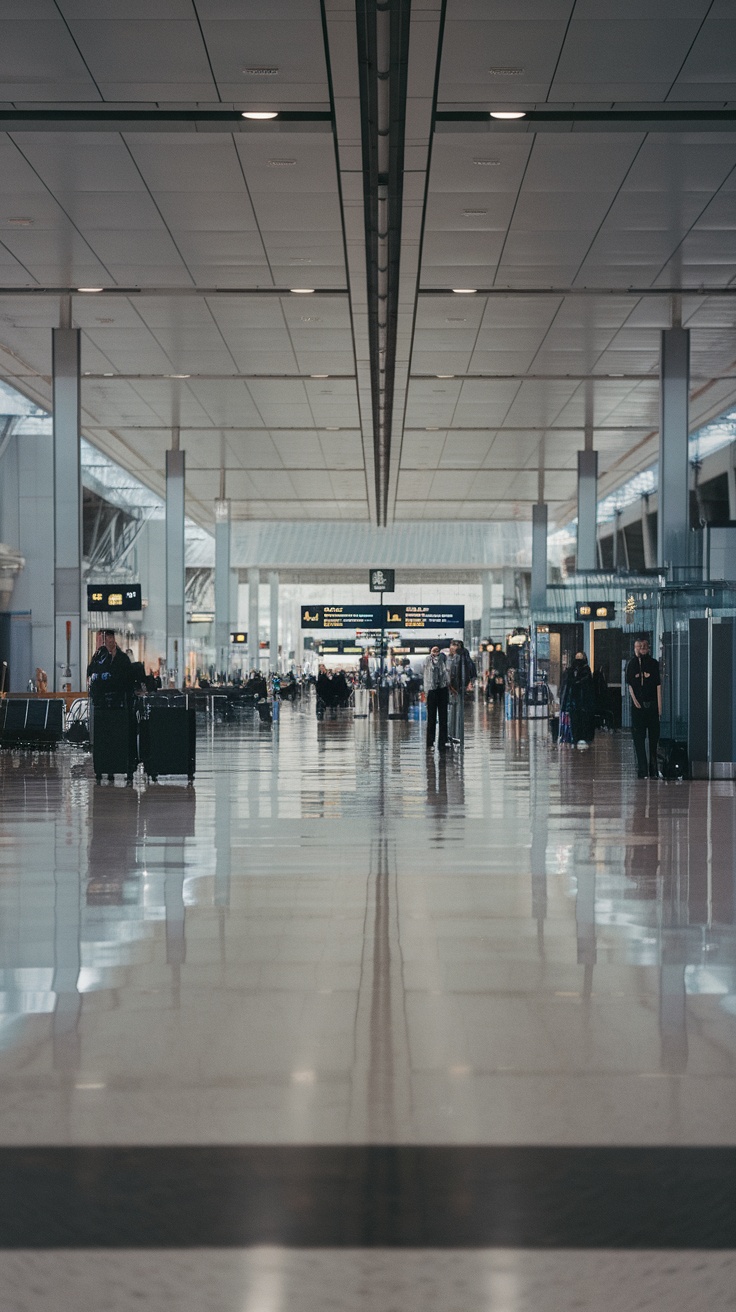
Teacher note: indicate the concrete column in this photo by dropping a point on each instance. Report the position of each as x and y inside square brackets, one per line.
[223, 589]
[254, 583]
[509, 588]
[731, 473]
[273, 582]
[673, 515]
[175, 568]
[587, 553]
[485, 610]
[650, 546]
[539, 558]
[68, 671]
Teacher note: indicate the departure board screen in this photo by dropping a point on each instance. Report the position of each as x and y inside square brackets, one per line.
[119, 596]
[373, 617]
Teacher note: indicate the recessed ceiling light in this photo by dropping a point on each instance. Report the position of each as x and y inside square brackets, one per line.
[319, 375]
[508, 113]
[20, 223]
[453, 319]
[89, 289]
[108, 375]
[180, 375]
[311, 318]
[328, 429]
[474, 214]
[301, 291]
[259, 113]
[281, 163]
[431, 430]
[505, 72]
[465, 291]
[444, 375]
[264, 70]
[487, 163]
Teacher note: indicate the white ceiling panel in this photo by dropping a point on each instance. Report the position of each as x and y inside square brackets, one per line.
[516, 208]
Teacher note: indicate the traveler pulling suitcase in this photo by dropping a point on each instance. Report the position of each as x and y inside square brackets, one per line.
[168, 735]
[672, 761]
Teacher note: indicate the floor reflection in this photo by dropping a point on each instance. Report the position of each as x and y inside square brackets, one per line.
[336, 935]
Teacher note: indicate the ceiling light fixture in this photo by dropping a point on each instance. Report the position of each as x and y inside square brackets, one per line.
[281, 163]
[487, 163]
[259, 113]
[20, 223]
[465, 291]
[505, 72]
[266, 70]
[508, 113]
[474, 214]
[89, 289]
[301, 291]
[180, 375]
[453, 319]
[319, 375]
[444, 375]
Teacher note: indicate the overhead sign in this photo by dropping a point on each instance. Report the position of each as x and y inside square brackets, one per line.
[595, 610]
[116, 597]
[376, 617]
[381, 580]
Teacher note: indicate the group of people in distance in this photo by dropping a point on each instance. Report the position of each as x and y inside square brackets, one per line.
[333, 691]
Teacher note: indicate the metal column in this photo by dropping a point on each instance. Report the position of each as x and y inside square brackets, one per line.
[673, 517]
[486, 598]
[254, 583]
[587, 549]
[222, 584]
[650, 550]
[539, 558]
[273, 636]
[175, 567]
[69, 669]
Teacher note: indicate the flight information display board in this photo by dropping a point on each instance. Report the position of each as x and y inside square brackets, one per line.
[374, 617]
[118, 597]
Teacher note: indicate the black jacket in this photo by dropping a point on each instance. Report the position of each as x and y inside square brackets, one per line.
[642, 676]
[109, 675]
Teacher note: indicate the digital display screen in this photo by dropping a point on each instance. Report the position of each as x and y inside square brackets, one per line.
[239, 638]
[118, 597]
[372, 617]
[595, 610]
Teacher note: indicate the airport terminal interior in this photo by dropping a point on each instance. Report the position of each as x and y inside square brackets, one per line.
[367, 655]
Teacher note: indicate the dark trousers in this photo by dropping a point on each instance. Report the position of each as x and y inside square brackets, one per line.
[437, 699]
[645, 722]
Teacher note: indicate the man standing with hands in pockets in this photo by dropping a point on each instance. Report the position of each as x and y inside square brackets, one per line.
[645, 691]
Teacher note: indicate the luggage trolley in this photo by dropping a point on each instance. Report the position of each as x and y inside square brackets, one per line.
[167, 734]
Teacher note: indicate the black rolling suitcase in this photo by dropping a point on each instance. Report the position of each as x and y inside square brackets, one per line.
[113, 739]
[168, 735]
[672, 761]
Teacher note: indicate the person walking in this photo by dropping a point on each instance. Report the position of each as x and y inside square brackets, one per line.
[436, 691]
[645, 690]
[577, 701]
[461, 672]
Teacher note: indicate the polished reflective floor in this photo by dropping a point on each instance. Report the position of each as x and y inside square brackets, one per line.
[337, 938]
